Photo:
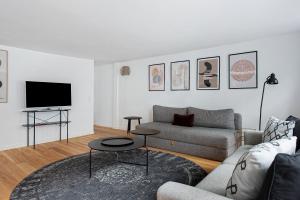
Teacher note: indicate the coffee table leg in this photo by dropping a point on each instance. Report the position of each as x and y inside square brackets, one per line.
[91, 163]
[128, 127]
[145, 141]
[147, 154]
[147, 162]
[117, 156]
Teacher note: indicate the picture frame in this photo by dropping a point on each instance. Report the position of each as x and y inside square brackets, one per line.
[180, 75]
[3, 76]
[208, 73]
[156, 76]
[243, 70]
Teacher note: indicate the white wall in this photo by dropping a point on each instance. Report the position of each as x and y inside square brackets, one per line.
[278, 54]
[104, 95]
[36, 66]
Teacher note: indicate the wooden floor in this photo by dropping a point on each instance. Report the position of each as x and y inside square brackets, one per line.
[16, 164]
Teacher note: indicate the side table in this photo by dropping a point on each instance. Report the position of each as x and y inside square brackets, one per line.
[129, 118]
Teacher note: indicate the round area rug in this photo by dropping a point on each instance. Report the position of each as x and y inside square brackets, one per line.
[111, 180]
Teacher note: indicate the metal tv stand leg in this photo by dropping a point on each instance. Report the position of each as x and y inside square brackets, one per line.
[34, 130]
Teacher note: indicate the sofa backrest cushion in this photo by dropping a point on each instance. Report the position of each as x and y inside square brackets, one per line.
[213, 118]
[283, 179]
[296, 131]
[166, 114]
[249, 173]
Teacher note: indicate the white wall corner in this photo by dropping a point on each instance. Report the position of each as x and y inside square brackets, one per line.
[115, 109]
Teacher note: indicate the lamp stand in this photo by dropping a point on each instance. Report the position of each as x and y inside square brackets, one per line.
[261, 104]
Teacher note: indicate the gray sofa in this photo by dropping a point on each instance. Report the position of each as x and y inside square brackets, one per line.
[214, 136]
[213, 186]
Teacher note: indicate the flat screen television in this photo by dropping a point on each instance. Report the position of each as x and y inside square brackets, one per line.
[46, 94]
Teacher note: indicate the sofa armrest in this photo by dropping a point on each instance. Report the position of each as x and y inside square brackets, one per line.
[252, 137]
[178, 191]
[238, 121]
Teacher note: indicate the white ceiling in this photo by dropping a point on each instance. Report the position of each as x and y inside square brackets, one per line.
[117, 30]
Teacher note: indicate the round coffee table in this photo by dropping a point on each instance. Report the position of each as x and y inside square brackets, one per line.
[96, 145]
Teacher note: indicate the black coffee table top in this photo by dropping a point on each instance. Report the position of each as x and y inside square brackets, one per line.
[117, 141]
[145, 132]
[133, 117]
[96, 145]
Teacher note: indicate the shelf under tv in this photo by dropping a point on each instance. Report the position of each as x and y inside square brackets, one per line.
[46, 123]
[46, 110]
[34, 121]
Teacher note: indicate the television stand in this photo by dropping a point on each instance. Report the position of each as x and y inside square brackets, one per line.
[35, 121]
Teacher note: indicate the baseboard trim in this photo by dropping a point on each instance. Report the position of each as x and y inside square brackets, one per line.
[108, 129]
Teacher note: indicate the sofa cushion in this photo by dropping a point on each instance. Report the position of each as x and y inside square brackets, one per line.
[233, 159]
[213, 118]
[217, 180]
[183, 120]
[177, 191]
[252, 137]
[212, 137]
[199, 150]
[250, 171]
[283, 179]
[277, 129]
[166, 114]
[296, 131]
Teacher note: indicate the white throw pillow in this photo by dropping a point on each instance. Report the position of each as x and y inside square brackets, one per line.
[250, 171]
[277, 129]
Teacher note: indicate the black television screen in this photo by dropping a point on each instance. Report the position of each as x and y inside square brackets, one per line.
[45, 94]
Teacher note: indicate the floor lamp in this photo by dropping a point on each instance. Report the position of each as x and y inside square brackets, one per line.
[271, 80]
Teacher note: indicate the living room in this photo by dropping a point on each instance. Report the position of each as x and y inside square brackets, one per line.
[172, 100]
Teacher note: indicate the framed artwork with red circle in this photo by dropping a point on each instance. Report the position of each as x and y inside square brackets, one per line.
[243, 70]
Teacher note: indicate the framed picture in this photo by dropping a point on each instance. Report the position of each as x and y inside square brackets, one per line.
[3, 76]
[243, 70]
[180, 75]
[157, 77]
[208, 73]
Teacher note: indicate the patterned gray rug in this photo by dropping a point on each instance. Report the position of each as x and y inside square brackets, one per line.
[69, 179]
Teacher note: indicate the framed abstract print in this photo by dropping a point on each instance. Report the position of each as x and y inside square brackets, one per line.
[180, 75]
[3, 76]
[243, 70]
[208, 73]
[157, 77]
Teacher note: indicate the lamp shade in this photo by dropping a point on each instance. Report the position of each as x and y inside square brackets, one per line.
[272, 80]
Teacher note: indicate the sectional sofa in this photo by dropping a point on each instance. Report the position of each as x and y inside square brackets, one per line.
[215, 134]
[213, 186]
